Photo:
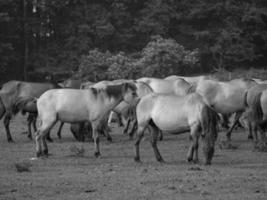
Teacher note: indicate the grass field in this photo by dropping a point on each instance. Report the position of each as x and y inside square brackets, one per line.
[234, 174]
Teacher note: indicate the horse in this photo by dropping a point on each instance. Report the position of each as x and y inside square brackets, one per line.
[259, 81]
[177, 113]
[94, 106]
[122, 106]
[86, 85]
[12, 92]
[71, 83]
[178, 86]
[126, 112]
[74, 84]
[256, 111]
[225, 97]
[193, 80]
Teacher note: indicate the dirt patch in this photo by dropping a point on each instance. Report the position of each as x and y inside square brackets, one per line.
[238, 174]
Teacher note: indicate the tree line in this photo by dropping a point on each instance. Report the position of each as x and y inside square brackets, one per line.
[99, 39]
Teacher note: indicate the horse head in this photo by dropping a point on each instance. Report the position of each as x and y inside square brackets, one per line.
[129, 92]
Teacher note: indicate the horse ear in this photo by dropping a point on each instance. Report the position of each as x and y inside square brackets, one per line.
[125, 86]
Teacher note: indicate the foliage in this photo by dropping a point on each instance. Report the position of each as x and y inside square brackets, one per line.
[225, 35]
[160, 57]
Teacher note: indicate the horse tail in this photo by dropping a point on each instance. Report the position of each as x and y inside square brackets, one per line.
[209, 123]
[2, 108]
[20, 104]
[256, 112]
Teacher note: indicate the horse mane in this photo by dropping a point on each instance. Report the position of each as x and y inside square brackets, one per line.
[146, 88]
[191, 89]
[114, 91]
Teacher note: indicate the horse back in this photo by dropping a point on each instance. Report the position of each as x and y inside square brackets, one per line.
[34, 89]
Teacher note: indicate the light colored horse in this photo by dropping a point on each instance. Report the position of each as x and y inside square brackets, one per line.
[260, 81]
[175, 113]
[71, 83]
[256, 100]
[193, 80]
[86, 85]
[225, 97]
[127, 111]
[177, 86]
[72, 106]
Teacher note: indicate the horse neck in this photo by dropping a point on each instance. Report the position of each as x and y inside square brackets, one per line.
[113, 95]
[144, 89]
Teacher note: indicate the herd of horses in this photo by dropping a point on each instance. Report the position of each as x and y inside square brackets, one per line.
[175, 104]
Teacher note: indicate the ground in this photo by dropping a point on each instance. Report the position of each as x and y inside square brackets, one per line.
[234, 174]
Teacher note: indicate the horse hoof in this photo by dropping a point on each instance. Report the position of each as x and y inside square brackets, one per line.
[109, 139]
[207, 163]
[10, 141]
[160, 160]
[195, 161]
[189, 159]
[160, 138]
[137, 159]
[250, 137]
[30, 137]
[49, 140]
[97, 154]
[38, 154]
[45, 152]
[131, 137]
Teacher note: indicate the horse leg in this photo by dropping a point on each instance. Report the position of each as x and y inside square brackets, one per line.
[41, 136]
[59, 130]
[254, 133]
[110, 117]
[31, 120]
[106, 131]
[95, 128]
[192, 154]
[229, 132]
[154, 137]
[263, 137]
[249, 130]
[140, 135]
[119, 119]
[34, 122]
[7, 119]
[195, 142]
[45, 149]
[29, 129]
[190, 151]
[38, 143]
[48, 137]
[126, 127]
[133, 129]
[160, 135]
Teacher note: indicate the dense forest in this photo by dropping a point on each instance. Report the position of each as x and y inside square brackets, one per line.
[104, 39]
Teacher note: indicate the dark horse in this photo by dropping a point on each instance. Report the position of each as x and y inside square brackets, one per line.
[12, 95]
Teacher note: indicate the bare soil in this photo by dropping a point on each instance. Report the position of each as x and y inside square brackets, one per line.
[239, 173]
